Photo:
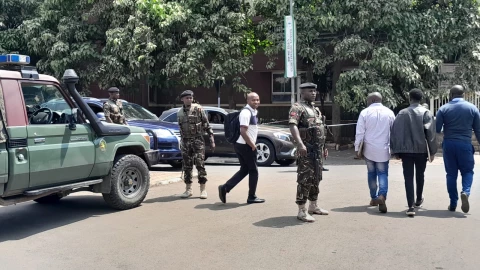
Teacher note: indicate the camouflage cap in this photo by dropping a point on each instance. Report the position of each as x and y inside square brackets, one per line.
[113, 90]
[186, 93]
[308, 85]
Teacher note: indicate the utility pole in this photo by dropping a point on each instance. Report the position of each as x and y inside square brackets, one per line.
[291, 51]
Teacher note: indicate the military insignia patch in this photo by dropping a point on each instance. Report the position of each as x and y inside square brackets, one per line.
[102, 145]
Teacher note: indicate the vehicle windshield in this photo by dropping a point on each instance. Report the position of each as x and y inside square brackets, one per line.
[135, 111]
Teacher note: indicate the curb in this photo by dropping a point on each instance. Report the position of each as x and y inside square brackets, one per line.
[173, 180]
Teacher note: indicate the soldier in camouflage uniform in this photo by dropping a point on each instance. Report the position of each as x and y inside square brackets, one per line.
[307, 126]
[193, 123]
[113, 108]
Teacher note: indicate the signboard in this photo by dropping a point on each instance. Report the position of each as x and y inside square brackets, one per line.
[290, 48]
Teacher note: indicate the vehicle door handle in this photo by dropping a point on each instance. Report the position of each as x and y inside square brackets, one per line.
[39, 140]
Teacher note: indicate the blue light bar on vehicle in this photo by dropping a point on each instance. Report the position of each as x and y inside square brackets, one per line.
[14, 59]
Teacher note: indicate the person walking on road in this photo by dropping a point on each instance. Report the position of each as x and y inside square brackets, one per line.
[246, 150]
[113, 108]
[458, 118]
[193, 123]
[307, 126]
[373, 136]
[413, 140]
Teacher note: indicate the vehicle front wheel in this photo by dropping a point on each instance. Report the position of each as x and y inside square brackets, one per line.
[285, 162]
[265, 152]
[177, 164]
[50, 199]
[130, 181]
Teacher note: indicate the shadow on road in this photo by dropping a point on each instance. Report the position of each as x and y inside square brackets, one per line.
[220, 206]
[165, 169]
[279, 222]
[165, 199]
[24, 220]
[422, 212]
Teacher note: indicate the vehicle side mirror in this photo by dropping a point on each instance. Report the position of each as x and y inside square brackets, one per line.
[101, 116]
[72, 119]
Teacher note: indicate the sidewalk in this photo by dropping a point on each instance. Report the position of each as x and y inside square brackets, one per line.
[165, 174]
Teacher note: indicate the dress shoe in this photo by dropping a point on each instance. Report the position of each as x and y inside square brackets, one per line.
[325, 169]
[254, 199]
[222, 193]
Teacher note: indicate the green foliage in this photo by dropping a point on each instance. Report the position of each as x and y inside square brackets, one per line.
[396, 45]
[12, 15]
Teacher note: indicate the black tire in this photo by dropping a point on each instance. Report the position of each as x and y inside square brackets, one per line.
[134, 168]
[285, 162]
[177, 164]
[50, 199]
[265, 144]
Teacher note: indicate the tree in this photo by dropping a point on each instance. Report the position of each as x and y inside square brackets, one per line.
[218, 39]
[69, 34]
[12, 14]
[396, 45]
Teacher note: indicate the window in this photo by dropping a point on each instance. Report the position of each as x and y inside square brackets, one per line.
[171, 118]
[281, 87]
[39, 96]
[134, 111]
[215, 117]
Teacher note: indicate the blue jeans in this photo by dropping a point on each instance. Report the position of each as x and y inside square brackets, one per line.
[458, 155]
[377, 170]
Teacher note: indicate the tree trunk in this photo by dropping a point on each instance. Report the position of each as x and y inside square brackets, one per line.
[336, 117]
[231, 96]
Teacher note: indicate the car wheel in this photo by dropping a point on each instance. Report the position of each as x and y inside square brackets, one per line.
[177, 164]
[50, 199]
[265, 152]
[130, 181]
[285, 162]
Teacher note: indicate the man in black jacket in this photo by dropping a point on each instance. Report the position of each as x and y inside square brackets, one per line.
[413, 140]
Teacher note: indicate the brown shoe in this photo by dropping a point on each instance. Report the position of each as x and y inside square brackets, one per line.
[382, 206]
[373, 203]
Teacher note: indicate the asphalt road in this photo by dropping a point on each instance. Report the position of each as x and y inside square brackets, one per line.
[167, 232]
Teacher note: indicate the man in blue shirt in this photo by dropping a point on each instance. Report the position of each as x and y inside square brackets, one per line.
[458, 118]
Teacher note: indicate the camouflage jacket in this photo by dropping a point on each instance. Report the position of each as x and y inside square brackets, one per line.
[193, 121]
[310, 122]
[114, 110]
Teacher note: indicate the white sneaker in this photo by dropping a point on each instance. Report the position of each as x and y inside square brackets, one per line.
[203, 191]
[188, 192]
[303, 214]
[314, 209]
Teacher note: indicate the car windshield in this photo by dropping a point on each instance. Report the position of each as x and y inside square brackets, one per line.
[135, 111]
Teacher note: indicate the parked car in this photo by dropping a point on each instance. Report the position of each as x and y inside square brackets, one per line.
[168, 134]
[274, 144]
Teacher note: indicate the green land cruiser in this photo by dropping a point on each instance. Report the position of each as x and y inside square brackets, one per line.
[46, 155]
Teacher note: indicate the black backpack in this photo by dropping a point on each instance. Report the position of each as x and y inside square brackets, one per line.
[231, 126]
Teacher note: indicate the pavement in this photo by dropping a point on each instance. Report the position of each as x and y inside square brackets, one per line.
[167, 232]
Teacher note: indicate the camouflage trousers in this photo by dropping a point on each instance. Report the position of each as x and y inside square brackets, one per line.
[193, 152]
[307, 183]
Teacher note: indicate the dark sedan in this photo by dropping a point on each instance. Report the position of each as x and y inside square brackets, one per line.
[274, 144]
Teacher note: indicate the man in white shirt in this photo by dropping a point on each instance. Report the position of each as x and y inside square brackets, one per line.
[373, 129]
[246, 150]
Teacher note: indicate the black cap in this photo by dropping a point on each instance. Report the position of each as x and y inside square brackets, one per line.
[308, 85]
[113, 90]
[186, 93]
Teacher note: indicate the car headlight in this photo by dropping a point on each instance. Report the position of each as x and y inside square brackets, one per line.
[282, 136]
[163, 133]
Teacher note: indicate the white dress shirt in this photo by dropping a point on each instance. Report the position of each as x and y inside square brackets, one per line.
[373, 128]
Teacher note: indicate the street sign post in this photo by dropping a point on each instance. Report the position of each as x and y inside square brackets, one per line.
[291, 51]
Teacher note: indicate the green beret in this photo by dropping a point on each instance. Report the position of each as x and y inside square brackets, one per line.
[113, 90]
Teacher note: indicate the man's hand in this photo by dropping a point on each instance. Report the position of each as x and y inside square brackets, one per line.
[302, 150]
[212, 146]
[325, 153]
[254, 147]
